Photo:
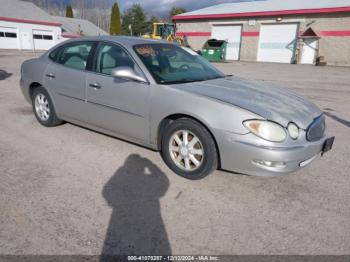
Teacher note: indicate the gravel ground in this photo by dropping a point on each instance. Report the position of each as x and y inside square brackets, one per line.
[69, 190]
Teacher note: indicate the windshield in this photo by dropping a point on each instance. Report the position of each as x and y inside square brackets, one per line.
[172, 64]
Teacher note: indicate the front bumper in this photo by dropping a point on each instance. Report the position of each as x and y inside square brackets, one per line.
[245, 154]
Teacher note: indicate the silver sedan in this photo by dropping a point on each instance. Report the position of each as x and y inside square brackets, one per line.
[168, 98]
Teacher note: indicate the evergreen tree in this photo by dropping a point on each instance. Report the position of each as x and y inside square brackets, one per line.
[69, 11]
[176, 11]
[115, 26]
[136, 17]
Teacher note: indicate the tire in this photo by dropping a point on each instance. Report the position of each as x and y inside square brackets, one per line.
[202, 156]
[41, 103]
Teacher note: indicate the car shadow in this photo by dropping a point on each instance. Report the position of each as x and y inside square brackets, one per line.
[136, 225]
[4, 74]
[338, 119]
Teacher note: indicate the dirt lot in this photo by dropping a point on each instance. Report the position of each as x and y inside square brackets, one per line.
[66, 190]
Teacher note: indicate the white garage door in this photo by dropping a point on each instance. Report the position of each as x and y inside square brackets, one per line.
[43, 40]
[232, 34]
[277, 43]
[8, 38]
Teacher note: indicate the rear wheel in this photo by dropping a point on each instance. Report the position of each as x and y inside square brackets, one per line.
[43, 108]
[189, 149]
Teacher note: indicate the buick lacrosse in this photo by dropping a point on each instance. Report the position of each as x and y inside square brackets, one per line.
[168, 98]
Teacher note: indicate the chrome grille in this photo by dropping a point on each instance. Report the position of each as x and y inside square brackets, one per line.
[317, 128]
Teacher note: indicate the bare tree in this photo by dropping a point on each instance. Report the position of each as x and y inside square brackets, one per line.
[96, 11]
[80, 7]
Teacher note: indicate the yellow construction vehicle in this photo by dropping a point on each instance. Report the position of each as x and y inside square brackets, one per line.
[165, 31]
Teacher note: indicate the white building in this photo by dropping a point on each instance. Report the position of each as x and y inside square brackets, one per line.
[25, 26]
[283, 31]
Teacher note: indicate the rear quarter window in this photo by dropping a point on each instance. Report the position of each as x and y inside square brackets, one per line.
[54, 54]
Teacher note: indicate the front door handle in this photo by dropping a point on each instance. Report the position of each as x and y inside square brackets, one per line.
[95, 86]
[51, 75]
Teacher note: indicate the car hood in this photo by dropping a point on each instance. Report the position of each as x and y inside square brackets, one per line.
[270, 102]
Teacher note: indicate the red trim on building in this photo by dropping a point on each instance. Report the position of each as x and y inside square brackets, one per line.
[250, 34]
[334, 33]
[70, 36]
[193, 33]
[267, 13]
[8, 19]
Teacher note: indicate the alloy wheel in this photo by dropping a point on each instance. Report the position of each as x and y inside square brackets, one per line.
[186, 150]
[42, 107]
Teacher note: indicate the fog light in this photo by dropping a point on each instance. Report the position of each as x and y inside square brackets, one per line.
[269, 163]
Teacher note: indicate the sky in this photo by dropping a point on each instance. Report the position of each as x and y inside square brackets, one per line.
[161, 7]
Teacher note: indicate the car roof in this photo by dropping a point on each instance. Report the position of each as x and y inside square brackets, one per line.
[124, 40]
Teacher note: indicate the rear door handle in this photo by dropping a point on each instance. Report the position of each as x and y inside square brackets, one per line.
[51, 75]
[95, 86]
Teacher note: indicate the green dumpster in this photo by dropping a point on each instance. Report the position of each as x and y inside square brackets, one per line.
[214, 50]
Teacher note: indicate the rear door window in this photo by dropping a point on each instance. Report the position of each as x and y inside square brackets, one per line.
[75, 55]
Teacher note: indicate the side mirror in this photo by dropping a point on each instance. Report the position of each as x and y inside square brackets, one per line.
[127, 73]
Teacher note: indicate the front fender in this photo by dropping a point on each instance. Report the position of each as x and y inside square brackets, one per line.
[214, 114]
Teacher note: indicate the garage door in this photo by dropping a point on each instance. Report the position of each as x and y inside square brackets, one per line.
[8, 38]
[232, 34]
[277, 43]
[43, 40]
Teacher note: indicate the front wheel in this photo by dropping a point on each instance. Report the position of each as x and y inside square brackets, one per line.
[189, 149]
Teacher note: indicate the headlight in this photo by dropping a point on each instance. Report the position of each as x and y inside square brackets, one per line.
[266, 129]
[293, 130]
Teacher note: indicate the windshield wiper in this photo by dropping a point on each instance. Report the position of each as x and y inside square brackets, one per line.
[217, 77]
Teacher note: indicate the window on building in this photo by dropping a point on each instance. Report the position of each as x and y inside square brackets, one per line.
[10, 35]
[47, 37]
[42, 37]
[38, 36]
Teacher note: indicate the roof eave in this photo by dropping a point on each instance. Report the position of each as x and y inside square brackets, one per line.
[16, 20]
[70, 35]
[264, 13]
